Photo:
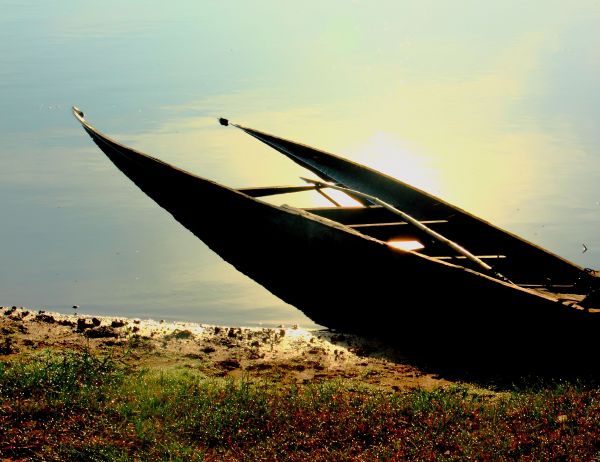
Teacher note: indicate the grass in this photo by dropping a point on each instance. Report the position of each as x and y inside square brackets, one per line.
[80, 407]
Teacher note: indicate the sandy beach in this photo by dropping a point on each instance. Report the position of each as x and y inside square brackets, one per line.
[285, 354]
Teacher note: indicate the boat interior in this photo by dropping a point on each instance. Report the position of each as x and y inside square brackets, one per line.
[510, 258]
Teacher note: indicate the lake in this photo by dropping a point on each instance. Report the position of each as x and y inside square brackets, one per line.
[494, 107]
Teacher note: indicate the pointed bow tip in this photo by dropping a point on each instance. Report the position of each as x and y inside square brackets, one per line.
[78, 113]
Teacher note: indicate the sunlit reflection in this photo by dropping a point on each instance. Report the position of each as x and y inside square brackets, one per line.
[404, 244]
[385, 152]
[312, 199]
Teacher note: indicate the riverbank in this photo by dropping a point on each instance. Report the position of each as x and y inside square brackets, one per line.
[76, 388]
[285, 354]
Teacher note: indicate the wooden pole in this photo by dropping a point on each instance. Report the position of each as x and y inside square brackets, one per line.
[409, 219]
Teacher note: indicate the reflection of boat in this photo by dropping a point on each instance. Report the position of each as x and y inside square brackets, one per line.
[336, 265]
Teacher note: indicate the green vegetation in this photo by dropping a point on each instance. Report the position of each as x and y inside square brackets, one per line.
[81, 407]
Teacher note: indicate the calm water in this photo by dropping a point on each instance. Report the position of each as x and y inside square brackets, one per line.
[494, 108]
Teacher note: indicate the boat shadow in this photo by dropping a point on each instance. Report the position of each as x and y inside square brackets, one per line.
[503, 367]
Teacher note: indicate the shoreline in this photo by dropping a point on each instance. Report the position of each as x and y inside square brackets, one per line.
[283, 354]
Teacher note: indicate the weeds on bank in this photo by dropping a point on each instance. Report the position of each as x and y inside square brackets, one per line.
[82, 407]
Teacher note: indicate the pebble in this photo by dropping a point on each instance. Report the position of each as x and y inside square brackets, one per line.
[82, 324]
[101, 332]
[45, 318]
[117, 323]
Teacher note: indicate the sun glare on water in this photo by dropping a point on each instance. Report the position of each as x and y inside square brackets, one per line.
[384, 152]
[406, 245]
[387, 153]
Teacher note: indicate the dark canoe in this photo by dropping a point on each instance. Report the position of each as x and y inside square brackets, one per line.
[345, 279]
[524, 262]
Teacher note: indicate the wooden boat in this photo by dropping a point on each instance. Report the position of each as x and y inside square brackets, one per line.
[336, 264]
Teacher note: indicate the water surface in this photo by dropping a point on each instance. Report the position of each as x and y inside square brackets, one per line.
[494, 108]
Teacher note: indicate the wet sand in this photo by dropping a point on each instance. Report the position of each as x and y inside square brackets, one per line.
[284, 354]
